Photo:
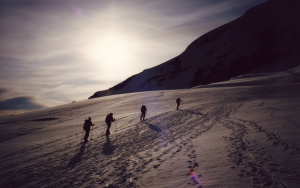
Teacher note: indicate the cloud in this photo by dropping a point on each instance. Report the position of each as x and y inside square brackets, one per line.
[19, 103]
[55, 52]
[51, 82]
[204, 12]
[2, 91]
[12, 103]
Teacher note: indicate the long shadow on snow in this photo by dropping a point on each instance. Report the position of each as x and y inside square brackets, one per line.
[77, 158]
[193, 112]
[107, 148]
[153, 127]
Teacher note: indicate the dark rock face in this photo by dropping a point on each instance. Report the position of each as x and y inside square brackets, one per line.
[264, 41]
[264, 35]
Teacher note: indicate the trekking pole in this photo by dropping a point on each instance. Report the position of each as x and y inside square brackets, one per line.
[116, 126]
[82, 135]
[103, 130]
[91, 138]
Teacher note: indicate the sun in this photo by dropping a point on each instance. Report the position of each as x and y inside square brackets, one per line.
[114, 49]
[110, 51]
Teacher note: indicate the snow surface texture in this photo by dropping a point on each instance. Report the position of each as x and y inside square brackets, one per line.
[266, 37]
[233, 136]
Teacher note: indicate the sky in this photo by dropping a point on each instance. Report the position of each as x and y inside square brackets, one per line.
[57, 52]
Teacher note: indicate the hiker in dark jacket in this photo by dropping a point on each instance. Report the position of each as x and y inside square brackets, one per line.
[87, 127]
[143, 110]
[109, 118]
[178, 100]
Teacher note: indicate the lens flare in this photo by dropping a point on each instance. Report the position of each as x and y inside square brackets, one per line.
[195, 178]
[77, 10]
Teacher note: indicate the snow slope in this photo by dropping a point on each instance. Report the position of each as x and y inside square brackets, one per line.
[283, 77]
[244, 135]
[267, 35]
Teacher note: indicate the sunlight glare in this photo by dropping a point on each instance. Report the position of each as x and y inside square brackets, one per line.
[111, 53]
[111, 50]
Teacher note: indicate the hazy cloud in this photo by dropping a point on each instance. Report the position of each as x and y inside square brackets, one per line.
[56, 52]
[19, 103]
[2, 91]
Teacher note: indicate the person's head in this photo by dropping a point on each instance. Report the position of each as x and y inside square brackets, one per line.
[90, 118]
[111, 114]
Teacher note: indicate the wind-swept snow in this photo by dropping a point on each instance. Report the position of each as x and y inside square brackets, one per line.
[289, 76]
[233, 136]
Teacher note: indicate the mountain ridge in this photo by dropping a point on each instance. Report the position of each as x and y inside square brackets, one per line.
[264, 35]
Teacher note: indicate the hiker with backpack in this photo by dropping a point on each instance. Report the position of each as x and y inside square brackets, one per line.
[87, 127]
[109, 118]
[143, 110]
[178, 100]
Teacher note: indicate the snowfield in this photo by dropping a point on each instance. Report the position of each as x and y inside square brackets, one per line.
[242, 134]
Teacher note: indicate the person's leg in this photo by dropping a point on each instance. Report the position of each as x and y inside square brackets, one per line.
[87, 133]
[144, 114]
[107, 130]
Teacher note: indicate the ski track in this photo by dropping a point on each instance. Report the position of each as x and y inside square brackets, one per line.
[136, 149]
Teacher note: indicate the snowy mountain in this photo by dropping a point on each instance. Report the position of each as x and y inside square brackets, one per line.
[240, 133]
[265, 36]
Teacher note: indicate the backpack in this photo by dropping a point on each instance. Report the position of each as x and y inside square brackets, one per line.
[107, 118]
[85, 125]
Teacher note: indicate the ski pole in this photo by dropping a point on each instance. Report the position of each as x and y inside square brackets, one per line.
[103, 129]
[116, 126]
[82, 135]
[91, 138]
